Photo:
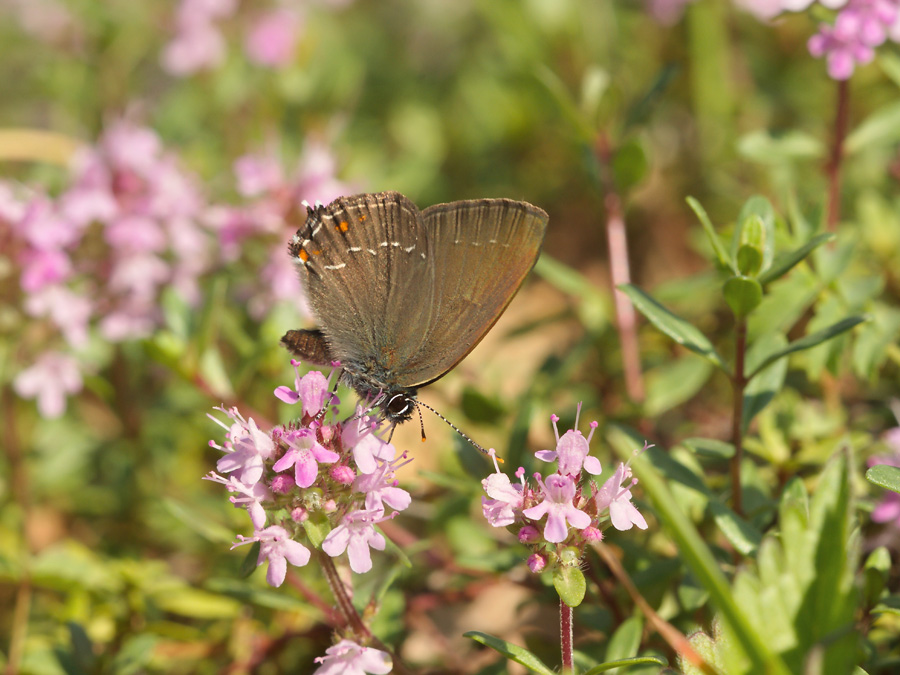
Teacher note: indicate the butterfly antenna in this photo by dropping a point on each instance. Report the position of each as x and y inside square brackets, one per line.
[421, 423]
[456, 429]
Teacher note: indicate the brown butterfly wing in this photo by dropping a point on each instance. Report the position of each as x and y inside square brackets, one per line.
[483, 250]
[365, 261]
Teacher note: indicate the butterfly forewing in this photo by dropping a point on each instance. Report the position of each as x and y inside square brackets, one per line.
[366, 263]
[483, 249]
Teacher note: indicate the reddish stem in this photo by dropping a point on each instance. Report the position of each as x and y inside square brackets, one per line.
[833, 168]
[626, 320]
[565, 637]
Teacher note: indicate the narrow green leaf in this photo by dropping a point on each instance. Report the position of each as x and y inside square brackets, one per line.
[743, 536]
[625, 642]
[249, 563]
[625, 663]
[557, 89]
[709, 447]
[724, 259]
[876, 572]
[512, 652]
[694, 551]
[886, 476]
[570, 584]
[672, 325]
[811, 341]
[786, 261]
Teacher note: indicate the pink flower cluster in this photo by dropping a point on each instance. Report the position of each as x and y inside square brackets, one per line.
[273, 199]
[575, 512]
[282, 471]
[199, 43]
[128, 226]
[860, 27]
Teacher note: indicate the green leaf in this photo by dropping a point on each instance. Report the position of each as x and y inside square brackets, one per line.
[766, 148]
[673, 382]
[512, 652]
[316, 528]
[725, 260]
[886, 476]
[784, 262]
[672, 325]
[594, 308]
[758, 215]
[811, 341]
[626, 641]
[876, 571]
[880, 129]
[625, 663]
[742, 535]
[743, 295]
[196, 604]
[569, 584]
[249, 563]
[890, 65]
[563, 98]
[709, 447]
[695, 553]
[629, 165]
[749, 260]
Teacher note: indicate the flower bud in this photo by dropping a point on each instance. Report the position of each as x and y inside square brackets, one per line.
[537, 562]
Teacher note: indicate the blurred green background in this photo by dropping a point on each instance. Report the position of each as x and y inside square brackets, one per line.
[114, 554]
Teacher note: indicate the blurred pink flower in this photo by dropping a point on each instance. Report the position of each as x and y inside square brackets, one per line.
[258, 174]
[53, 376]
[197, 46]
[667, 12]
[858, 28]
[272, 39]
[41, 268]
[70, 312]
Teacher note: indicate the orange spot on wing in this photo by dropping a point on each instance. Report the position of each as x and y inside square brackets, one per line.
[303, 255]
[343, 226]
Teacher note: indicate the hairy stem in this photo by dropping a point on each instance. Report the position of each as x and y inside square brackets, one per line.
[833, 168]
[565, 637]
[351, 616]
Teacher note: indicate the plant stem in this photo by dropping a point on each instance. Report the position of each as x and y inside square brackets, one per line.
[351, 616]
[342, 598]
[565, 637]
[833, 168]
[674, 637]
[626, 321]
[738, 383]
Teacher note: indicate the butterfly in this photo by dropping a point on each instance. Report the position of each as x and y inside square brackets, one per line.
[403, 295]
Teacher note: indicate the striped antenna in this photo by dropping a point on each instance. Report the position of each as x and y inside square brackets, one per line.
[454, 427]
